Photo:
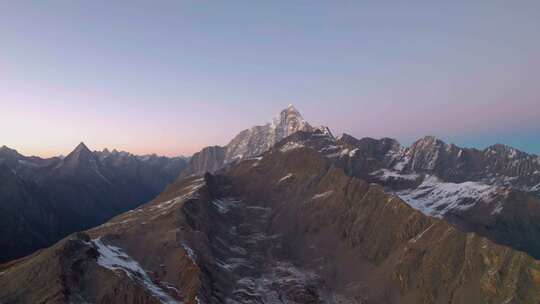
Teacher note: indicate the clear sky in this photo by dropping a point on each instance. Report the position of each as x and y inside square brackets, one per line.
[173, 76]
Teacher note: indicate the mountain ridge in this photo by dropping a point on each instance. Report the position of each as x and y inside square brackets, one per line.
[81, 190]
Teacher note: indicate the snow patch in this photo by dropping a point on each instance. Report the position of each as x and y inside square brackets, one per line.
[419, 236]
[436, 198]
[498, 209]
[385, 175]
[322, 195]
[190, 253]
[341, 153]
[238, 156]
[224, 205]
[291, 146]
[113, 258]
[191, 193]
[286, 177]
[402, 163]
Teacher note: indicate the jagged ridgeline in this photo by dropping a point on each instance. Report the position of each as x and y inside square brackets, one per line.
[291, 214]
[43, 200]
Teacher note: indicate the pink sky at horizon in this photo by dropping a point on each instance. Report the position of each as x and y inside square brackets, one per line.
[171, 78]
[97, 123]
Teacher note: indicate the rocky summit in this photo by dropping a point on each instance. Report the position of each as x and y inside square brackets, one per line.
[248, 143]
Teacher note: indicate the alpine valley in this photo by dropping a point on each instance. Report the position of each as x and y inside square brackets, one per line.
[284, 213]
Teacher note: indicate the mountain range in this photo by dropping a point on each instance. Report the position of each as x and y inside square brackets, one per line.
[285, 213]
[493, 192]
[43, 200]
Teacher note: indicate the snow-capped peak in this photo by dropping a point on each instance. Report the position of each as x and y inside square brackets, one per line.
[288, 121]
[257, 140]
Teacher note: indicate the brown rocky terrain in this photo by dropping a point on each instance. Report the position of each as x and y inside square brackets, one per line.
[494, 192]
[505, 213]
[289, 227]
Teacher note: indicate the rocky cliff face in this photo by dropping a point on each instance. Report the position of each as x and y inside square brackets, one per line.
[209, 159]
[289, 227]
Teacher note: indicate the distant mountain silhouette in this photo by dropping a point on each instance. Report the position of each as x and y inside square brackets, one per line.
[43, 200]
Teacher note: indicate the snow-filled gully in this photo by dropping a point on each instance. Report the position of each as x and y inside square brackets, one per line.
[113, 258]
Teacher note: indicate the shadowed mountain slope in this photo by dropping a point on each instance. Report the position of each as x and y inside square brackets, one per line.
[43, 200]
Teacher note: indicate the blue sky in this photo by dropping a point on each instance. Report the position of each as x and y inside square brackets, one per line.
[173, 76]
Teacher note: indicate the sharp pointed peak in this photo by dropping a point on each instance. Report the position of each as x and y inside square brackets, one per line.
[290, 109]
[81, 155]
[8, 150]
[286, 114]
[4, 147]
[81, 148]
[81, 145]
